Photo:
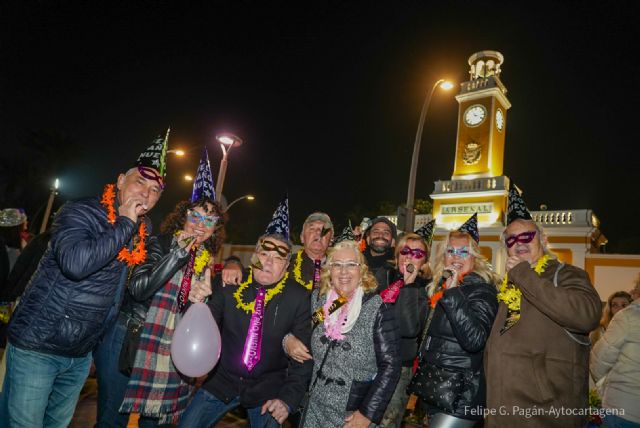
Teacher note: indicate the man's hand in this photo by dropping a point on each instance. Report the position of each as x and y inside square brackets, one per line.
[132, 208]
[231, 274]
[356, 420]
[512, 262]
[201, 289]
[296, 349]
[277, 408]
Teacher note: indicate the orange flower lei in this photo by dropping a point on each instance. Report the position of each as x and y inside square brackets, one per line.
[139, 253]
[433, 300]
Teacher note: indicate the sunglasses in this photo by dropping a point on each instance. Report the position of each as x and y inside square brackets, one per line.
[207, 220]
[151, 174]
[462, 252]
[522, 238]
[416, 253]
[271, 246]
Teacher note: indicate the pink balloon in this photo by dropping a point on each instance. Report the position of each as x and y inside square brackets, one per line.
[196, 343]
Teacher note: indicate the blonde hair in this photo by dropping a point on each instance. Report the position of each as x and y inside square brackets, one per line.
[481, 265]
[425, 269]
[367, 280]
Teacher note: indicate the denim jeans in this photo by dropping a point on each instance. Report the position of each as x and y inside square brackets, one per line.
[112, 384]
[615, 421]
[41, 390]
[205, 410]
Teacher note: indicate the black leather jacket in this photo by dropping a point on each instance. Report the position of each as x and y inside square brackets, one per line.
[164, 259]
[458, 333]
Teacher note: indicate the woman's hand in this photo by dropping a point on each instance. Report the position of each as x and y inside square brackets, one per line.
[356, 420]
[185, 240]
[453, 279]
[296, 349]
[410, 277]
[200, 289]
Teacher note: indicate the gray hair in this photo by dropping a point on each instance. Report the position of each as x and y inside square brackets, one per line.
[540, 235]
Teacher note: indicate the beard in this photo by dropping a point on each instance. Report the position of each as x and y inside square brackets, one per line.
[380, 246]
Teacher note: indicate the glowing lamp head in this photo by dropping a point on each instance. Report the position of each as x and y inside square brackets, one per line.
[229, 140]
[446, 85]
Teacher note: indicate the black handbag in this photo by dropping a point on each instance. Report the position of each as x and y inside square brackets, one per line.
[129, 345]
[438, 386]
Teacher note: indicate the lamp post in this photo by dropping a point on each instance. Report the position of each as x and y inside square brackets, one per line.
[227, 142]
[247, 197]
[411, 191]
[47, 212]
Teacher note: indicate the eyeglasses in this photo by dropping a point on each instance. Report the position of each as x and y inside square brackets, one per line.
[416, 253]
[272, 246]
[462, 252]
[522, 238]
[207, 220]
[344, 265]
[276, 259]
[151, 174]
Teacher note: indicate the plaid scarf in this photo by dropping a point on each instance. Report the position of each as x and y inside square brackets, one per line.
[155, 388]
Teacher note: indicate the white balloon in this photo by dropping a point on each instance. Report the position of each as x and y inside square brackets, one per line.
[196, 343]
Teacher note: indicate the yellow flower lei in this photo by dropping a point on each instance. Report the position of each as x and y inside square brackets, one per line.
[202, 261]
[250, 307]
[512, 296]
[297, 272]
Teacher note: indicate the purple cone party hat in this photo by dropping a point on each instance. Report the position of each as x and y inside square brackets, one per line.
[280, 221]
[203, 186]
[471, 227]
[426, 231]
[154, 157]
[516, 208]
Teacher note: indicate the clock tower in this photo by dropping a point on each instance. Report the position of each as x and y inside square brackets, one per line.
[477, 184]
[482, 119]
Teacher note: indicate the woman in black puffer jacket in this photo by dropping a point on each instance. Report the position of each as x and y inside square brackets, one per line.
[464, 308]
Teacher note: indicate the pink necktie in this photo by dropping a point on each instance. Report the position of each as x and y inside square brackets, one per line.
[253, 343]
[316, 273]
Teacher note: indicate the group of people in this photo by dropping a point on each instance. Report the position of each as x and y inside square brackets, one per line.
[334, 335]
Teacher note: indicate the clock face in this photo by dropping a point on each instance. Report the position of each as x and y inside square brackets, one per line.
[475, 115]
[499, 120]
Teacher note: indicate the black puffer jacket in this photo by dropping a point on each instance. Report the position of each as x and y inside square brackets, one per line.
[164, 259]
[457, 335]
[76, 291]
[410, 312]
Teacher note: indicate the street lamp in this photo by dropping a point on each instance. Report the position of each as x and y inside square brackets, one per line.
[410, 214]
[177, 152]
[47, 212]
[247, 197]
[227, 142]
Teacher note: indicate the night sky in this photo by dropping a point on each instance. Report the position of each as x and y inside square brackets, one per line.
[326, 96]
